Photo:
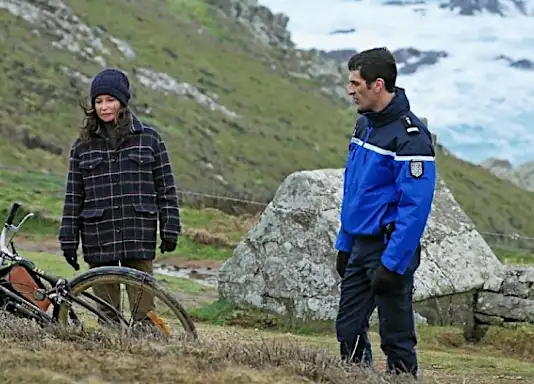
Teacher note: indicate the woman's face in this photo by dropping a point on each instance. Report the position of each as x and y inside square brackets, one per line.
[107, 107]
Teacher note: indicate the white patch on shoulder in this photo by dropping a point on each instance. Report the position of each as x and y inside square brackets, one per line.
[416, 168]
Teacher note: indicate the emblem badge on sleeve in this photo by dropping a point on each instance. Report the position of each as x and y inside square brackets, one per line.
[416, 168]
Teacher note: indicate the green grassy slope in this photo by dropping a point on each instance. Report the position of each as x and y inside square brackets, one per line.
[284, 123]
[280, 118]
[494, 204]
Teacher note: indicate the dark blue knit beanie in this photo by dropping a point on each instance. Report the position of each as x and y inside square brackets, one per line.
[111, 82]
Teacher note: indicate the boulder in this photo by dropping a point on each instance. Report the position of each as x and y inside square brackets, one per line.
[286, 262]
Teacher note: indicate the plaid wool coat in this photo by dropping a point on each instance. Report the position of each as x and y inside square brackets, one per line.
[114, 197]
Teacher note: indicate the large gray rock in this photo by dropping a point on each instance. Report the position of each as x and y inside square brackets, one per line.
[286, 262]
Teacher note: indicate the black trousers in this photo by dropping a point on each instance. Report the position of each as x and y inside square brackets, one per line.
[395, 311]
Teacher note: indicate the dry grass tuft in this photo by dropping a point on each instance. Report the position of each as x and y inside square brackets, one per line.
[230, 358]
[203, 236]
[517, 341]
[223, 231]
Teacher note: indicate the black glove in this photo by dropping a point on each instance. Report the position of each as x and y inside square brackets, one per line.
[72, 258]
[341, 262]
[167, 245]
[385, 281]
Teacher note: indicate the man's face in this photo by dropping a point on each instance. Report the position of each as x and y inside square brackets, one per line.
[364, 97]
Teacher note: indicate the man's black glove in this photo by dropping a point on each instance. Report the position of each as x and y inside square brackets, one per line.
[385, 281]
[167, 245]
[72, 258]
[341, 262]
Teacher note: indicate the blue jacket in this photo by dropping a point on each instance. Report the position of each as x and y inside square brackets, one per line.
[390, 176]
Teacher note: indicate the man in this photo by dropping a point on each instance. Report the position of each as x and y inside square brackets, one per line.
[388, 190]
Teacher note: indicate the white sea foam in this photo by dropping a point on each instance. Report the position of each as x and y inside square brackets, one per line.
[478, 106]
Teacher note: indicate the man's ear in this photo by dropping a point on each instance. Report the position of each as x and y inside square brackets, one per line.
[378, 85]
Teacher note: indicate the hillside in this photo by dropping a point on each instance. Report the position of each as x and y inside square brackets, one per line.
[239, 107]
[522, 175]
[227, 115]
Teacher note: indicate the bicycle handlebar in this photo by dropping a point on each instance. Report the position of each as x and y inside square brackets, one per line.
[12, 212]
[8, 226]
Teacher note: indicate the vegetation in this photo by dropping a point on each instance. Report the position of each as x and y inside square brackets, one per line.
[494, 205]
[279, 117]
[240, 355]
[240, 344]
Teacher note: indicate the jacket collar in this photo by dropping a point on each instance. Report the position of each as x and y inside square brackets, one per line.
[136, 126]
[397, 107]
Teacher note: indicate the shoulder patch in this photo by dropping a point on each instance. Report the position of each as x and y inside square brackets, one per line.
[417, 168]
[410, 127]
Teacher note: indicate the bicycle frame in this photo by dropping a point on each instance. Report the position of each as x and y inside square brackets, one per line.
[59, 292]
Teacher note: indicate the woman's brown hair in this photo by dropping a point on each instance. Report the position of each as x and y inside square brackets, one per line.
[91, 121]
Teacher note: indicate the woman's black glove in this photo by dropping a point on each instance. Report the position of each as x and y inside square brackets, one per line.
[167, 245]
[72, 258]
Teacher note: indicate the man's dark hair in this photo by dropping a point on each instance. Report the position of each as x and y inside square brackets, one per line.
[375, 63]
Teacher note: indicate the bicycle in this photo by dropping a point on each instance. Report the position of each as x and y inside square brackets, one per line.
[62, 294]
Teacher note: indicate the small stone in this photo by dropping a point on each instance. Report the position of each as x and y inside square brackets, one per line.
[493, 283]
[491, 320]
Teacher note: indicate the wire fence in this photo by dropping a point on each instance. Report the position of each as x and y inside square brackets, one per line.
[234, 204]
[505, 242]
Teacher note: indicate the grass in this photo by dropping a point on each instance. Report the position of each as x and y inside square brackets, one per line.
[443, 351]
[514, 255]
[243, 345]
[225, 313]
[493, 204]
[280, 117]
[238, 355]
[209, 234]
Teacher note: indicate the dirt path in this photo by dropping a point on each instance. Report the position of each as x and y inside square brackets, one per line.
[203, 272]
[45, 245]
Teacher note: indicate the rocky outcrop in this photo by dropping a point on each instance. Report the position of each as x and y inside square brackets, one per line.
[269, 28]
[328, 68]
[519, 64]
[522, 176]
[409, 60]
[166, 84]
[72, 34]
[286, 262]
[343, 31]
[498, 7]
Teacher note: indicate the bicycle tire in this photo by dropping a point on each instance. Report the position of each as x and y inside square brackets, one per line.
[128, 275]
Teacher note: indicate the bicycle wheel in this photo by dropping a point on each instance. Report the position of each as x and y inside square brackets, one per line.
[80, 285]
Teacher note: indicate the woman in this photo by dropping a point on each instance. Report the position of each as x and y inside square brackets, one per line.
[119, 181]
